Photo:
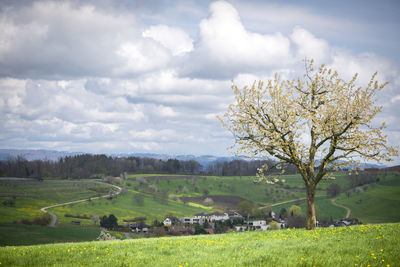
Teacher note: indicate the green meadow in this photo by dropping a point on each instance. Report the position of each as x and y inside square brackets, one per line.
[124, 207]
[364, 245]
[376, 203]
[32, 195]
[17, 234]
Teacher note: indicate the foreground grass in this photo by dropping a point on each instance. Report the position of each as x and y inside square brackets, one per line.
[369, 245]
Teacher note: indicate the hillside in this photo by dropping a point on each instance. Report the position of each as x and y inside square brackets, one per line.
[371, 245]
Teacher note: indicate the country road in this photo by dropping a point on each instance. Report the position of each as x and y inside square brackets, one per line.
[348, 210]
[54, 217]
[283, 202]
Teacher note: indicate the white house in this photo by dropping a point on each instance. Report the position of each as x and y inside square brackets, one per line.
[216, 216]
[189, 220]
[234, 215]
[202, 217]
[139, 228]
[259, 225]
[171, 221]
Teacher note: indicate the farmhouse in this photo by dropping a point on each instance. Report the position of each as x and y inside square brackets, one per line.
[139, 227]
[259, 225]
[234, 215]
[171, 221]
[216, 216]
[202, 217]
[189, 220]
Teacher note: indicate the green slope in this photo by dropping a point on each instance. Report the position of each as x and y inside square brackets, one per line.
[371, 245]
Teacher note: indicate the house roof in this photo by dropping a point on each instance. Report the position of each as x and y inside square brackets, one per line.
[218, 214]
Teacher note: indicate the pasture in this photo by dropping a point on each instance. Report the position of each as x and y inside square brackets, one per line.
[31, 195]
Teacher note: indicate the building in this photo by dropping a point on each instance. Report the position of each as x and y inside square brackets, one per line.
[216, 216]
[202, 217]
[139, 227]
[189, 220]
[171, 221]
[259, 225]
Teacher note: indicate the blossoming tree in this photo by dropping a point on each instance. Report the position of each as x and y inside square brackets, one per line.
[317, 123]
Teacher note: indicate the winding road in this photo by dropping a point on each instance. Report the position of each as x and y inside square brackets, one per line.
[54, 217]
[348, 210]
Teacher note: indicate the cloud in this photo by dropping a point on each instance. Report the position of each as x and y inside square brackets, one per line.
[174, 39]
[61, 39]
[308, 46]
[226, 48]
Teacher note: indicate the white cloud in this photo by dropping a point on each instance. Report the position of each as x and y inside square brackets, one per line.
[308, 46]
[174, 39]
[61, 39]
[396, 98]
[226, 47]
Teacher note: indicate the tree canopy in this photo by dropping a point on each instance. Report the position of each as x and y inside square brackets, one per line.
[315, 122]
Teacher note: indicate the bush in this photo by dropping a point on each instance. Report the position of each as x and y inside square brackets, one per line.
[294, 211]
[43, 220]
[273, 225]
[208, 201]
[105, 235]
[110, 222]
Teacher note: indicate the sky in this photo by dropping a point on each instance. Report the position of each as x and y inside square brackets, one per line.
[151, 76]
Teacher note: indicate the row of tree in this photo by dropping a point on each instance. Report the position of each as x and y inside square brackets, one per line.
[88, 165]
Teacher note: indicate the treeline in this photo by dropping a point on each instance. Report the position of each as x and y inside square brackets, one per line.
[88, 165]
[243, 168]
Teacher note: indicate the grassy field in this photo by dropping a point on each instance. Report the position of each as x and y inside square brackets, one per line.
[32, 195]
[369, 245]
[124, 207]
[325, 209]
[376, 203]
[15, 234]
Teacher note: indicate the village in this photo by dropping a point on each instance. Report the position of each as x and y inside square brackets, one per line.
[217, 222]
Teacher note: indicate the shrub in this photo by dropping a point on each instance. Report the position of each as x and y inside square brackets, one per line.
[295, 210]
[105, 235]
[273, 225]
[208, 201]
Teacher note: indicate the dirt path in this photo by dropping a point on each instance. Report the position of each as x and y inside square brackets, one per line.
[348, 210]
[54, 217]
[283, 202]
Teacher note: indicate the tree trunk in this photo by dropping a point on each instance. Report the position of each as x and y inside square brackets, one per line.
[311, 218]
